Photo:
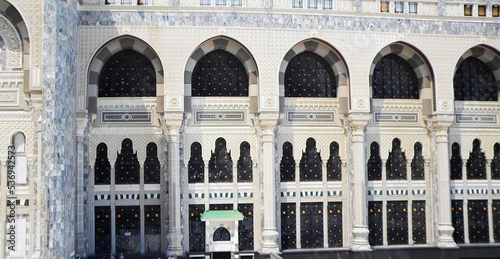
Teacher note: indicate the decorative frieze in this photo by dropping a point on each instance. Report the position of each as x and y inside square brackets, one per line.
[395, 117]
[126, 117]
[310, 117]
[219, 116]
[486, 119]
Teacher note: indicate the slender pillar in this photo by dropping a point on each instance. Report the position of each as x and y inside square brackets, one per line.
[174, 235]
[445, 228]
[360, 208]
[80, 192]
[270, 232]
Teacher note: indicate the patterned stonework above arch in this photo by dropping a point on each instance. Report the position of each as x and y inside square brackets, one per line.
[487, 55]
[12, 43]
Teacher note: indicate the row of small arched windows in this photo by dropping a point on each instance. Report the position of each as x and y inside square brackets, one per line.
[476, 164]
[220, 73]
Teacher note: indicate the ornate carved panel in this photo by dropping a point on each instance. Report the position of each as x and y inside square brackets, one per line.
[126, 117]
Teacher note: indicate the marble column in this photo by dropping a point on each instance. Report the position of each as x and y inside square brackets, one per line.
[269, 232]
[80, 191]
[445, 227]
[360, 207]
[174, 235]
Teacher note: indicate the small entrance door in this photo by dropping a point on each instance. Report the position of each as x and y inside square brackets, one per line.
[222, 255]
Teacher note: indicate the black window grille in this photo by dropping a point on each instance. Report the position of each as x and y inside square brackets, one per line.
[128, 229]
[375, 223]
[476, 164]
[396, 163]
[374, 163]
[495, 162]
[457, 218]
[222, 234]
[152, 231]
[196, 166]
[287, 165]
[455, 162]
[220, 207]
[310, 164]
[394, 78]
[102, 167]
[127, 74]
[309, 75]
[245, 173]
[334, 164]
[495, 205]
[102, 219]
[311, 224]
[418, 163]
[219, 73]
[397, 222]
[418, 222]
[335, 224]
[127, 165]
[152, 165]
[288, 226]
[245, 227]
[220, 165]
[478, 221]
[196, 228]
[474, 81]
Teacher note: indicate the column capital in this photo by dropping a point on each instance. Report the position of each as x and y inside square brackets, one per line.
[358, 122]
[266, 122]
[81, 125]
[172, 123]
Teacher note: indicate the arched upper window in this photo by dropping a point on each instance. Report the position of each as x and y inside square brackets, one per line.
[394, 78]
[374, 163]
[219, 73]
[102, 167]
[220, 165]
[495, 163]
[245, 164]
[418, 163]
[152, 165]
[127, 167]
[455, 162]
[127, 73]
[287, 165]
[396, 163]
[196, 171]
[474, 81]
[334, 164]
[310, 164]
[476, 164]
[309, 75]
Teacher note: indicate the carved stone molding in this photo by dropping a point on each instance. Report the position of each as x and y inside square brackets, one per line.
[358, 123]
[12, 42]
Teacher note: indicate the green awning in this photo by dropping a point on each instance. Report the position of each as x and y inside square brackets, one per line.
[221, 215]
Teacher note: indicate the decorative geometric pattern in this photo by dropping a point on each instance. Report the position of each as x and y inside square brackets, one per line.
[309, 75]
[197, 195]
[245, 195]
[495, 163]
[222, 234]
[196, 228]
[127, 167]
[315, 117]
[245, 173]
[375, 223]
[287, 165]
[126, 117]
[310, 164]
[311, 193]
[222, 116]
[396, 163]
[102, 167]
[374, 163]
[457, 220]
[311, 225]
[474, 81]
[220, 165]
[478, 221]
[394, 78]
[397, 222]
[196, 166]
[375, 192]
[214, 195]
[102, 197]
[287, 194]
[418, 222]
[102, 219]
[219, 73]
[127, 73]
[418, 163]
[334, 164]
[476, 118]
[288, 226]
[152, 165]
[335, 224]
[476, 164]
[245, 227]
[455, 162]
[397, 192]
[393, 117]
[127, 196]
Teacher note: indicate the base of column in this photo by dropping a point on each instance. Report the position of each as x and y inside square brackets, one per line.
[445, 237]
[269, 244]
[80, 245]
[174, 247]
[360, 242]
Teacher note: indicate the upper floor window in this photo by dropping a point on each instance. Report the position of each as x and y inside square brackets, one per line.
[297, 3]
[393, 78]
[205, 2]
[220, 2]
[309, 75]
[127, 74]
[412, 8]
[481, 10]
[219, 73]
[236, 3]
[312, 4]
[398, 7]
[495, 11]
[474, 81]
[468, 10]
[327, 4]
[384, 6]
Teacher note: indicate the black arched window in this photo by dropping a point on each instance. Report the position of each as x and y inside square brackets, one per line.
[393, 78]
[309, 75]
[476, 164]
[474, 81]
[310, 164]
[222, 234]
[495, 163]
[334, 164]
[396, 163]
[219, 73]
[374, 163]
[102, 167]
[127, 167]
[220, 164]
[127, 74]
[196, 165]
[152, 165]
[417, 164]
[455, 162]
[287, 165]
[245, 164]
